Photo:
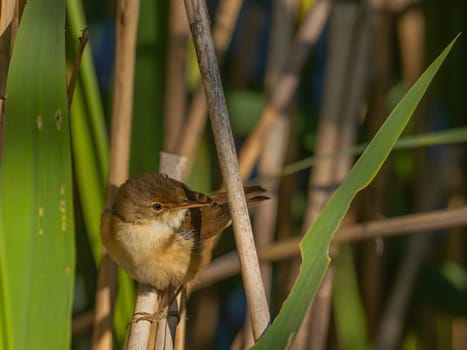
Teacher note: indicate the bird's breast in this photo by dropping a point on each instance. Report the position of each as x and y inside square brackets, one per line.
[155, 252]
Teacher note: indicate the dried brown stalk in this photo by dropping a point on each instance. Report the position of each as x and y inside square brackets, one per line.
[175, 87]
[256, 298]
[229, 264]
[373, 201]
[7, 14]
[126, 27]
[226, 17]
[147, 297]
[286, 84]
[411, 27]
[9, 18]
[272, 160]
[335, 132]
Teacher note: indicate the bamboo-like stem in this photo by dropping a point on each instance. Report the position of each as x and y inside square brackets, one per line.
[226, 18]
[8, 27]
[390, 327]
[8, 9]
[139, 333]
[313, 332]
[256, 298]
[286, 84]
[147, 297]
[175, 95]
[272, 159]
[411, 27]
[181, 327]
[373, 201]
[126, 27]
[229, 264]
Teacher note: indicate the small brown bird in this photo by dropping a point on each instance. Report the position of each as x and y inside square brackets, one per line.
[162, 233]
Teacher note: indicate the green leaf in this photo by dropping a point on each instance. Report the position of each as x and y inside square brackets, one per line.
[314, 246]
[147, 128]
[89, 137]
[36, 209]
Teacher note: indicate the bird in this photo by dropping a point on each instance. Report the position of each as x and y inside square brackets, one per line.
[162, 233]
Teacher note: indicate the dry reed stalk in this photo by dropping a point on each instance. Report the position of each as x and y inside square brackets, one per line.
[9, 19]
[8, 11]
[314, 329]
[286, 84]
[354, 88]
[147, 297]
[391, 323]
[139, 333]
[272, 160]
[411, 39]
[122, 105]
[180, 333]
[175, 87]
[372, 202]
[411, 28]
[226, 18]
[256, 298]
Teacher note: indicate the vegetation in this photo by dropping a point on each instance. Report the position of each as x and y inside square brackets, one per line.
[307, 86]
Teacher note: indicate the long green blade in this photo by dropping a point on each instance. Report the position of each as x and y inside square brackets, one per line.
[36, 212]
[314, 246]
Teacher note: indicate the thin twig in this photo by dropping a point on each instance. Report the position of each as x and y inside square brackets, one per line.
[74, 73]
[126, 27]
[229, 264]
[256, 298]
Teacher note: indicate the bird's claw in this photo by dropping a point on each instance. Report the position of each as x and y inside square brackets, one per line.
[154, 317]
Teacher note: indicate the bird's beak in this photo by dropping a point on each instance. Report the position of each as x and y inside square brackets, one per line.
[186, 204]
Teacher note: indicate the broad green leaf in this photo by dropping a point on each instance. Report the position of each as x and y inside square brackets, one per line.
[36, 208]
[314, 246]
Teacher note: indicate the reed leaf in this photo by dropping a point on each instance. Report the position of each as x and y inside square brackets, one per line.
[315, 245]
[36, 208]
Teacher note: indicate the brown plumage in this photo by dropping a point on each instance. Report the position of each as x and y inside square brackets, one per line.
[162, 233]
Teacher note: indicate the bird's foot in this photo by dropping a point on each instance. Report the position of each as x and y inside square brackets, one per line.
[155, 317]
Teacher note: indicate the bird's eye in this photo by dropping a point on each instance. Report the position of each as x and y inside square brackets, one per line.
[157, 207]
